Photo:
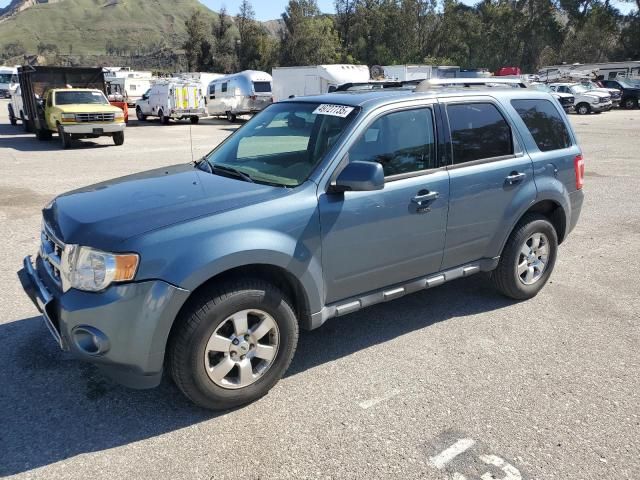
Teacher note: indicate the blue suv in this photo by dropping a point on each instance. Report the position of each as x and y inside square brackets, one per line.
[315, 208]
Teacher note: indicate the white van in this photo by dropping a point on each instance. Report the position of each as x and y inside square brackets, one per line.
[175, 98]
[8, 81]
[16, 109]
[315, 79]
[242, 93]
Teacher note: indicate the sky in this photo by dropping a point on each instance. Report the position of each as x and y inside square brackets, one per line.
[271, 9]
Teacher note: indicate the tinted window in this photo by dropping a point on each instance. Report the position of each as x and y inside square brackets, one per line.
[402, 142]
[478, 131]
[224, 87]
[262, 87]
[544, 122]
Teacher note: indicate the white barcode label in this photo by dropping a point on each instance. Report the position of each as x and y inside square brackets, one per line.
[333, 110]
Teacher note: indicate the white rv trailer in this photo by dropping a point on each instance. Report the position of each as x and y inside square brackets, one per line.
[8, 81]
[203, 78]
[404, 73]
[132, 83]
[315, 79]
[599, 71]
[242, 93]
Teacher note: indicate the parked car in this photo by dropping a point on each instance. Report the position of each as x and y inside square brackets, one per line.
[630, 91]
[566, 100]
[8, 81]
[616, 95]
[586, 101]
[243, 93]
[172, 99]
[315, 208]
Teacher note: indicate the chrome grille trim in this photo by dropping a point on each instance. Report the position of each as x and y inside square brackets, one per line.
[51, 250]
[95, 117]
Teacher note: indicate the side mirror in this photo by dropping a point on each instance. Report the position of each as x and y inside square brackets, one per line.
[359, 177]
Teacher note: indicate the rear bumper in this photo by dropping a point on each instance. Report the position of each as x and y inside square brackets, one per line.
[201, 112]
[94, 128]
[123, 330]
[576, 198]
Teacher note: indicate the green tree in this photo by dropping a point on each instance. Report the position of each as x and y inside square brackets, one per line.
[256, 49]
[196, 40]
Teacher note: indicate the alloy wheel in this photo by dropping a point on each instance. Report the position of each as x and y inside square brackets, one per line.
[533, 258]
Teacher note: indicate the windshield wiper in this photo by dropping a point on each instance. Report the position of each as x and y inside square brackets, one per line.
[227, 169]
[203, 161]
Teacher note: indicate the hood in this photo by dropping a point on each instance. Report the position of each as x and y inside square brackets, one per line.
[596, 93]
[563, 94]
[105, 214]
[87, 108]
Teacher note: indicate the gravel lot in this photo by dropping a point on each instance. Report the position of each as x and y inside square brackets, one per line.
[549, 388]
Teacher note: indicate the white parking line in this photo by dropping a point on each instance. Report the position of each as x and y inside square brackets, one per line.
[374, 401]
[439, 461]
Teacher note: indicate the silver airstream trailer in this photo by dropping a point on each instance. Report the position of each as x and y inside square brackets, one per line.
[242, 93]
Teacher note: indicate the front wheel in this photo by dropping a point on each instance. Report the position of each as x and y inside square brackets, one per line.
[139, 115]
[65, 138]
[630, 103]
[583, 109]
[528, 258]
[12, 116]
[118, 138]
[233, 344]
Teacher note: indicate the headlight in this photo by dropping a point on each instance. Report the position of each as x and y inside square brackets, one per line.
[68, 117]
[119, 115]
[93, 270]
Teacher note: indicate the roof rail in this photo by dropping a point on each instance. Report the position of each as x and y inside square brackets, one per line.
[374, 84]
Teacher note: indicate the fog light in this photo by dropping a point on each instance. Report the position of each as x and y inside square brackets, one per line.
[90, 340]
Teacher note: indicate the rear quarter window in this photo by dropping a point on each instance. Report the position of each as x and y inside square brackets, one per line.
[545, 124]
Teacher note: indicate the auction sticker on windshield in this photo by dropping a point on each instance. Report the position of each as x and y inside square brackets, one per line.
[333, 110]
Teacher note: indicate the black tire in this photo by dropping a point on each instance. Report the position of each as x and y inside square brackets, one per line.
[195, 120]
[139, 115]
[43, 135]
[65, 138]
[231, 117]
[583, 109]
[26, 126]
[163, 120]
[505, 277]
[12, 116]
[630, 103]
[118, 138]
[203, 316]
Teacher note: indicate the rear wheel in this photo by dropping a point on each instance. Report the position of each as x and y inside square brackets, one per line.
[231, 117]
[583, 108]
[164, 120]
[630, 103]
[528, 258]
[139, 115]
[12, 116]
[233, 343]
[65, 138]
[25, 123]
[118, 138]
[195, 120]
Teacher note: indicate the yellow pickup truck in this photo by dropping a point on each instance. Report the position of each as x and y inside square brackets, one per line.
[82, 113]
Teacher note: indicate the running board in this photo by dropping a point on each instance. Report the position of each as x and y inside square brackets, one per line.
[391, 293]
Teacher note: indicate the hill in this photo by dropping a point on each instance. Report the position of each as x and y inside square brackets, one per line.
[92, 27]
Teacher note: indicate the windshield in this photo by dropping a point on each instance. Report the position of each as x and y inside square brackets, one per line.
[589, 86]
[628, 83]
[542, 88]
[262, 87]
[5, 77]
[283, 144]
[577, 89]
[80, 97]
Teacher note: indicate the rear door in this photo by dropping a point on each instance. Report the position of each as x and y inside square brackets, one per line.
[375, 239]
[491, 179]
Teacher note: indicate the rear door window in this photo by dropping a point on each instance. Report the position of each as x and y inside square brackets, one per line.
[545, 124]
[478, 131]
[403, 142]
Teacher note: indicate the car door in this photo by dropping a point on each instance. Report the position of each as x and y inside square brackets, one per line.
[375, 239]
[491, 179]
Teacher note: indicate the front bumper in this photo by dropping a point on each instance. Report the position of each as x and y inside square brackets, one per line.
[129, 323]
[601, 107]
[94, 128]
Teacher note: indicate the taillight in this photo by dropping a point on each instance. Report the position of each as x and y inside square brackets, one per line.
[578, 165]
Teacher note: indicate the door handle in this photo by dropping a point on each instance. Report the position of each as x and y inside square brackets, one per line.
[423, 198]
[515, 177]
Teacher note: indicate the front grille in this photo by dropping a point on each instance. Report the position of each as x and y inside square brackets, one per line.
[95, 117]
[605, 99]
[51, 253]
[567, 100]
[616, 95]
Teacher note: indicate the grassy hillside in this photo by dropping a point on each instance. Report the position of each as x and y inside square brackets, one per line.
[86, 26]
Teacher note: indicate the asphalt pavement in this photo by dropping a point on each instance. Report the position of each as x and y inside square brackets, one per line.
[452, 383]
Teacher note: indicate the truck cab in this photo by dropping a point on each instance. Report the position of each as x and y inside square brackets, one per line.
[82, 113]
